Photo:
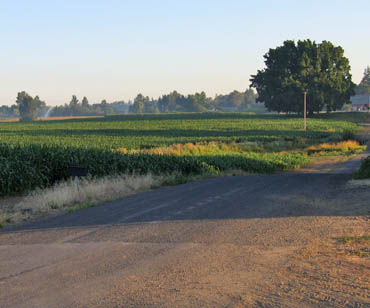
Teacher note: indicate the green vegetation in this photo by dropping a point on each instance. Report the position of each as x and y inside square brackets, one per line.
[146, 131]
[355, 117]
[320, 69]
[28, 106]
[38, 154]
[348, 135]
[364, 86]
[24, 168]
[364, 171]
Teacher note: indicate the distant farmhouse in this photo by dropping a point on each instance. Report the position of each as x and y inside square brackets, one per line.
[360, 102]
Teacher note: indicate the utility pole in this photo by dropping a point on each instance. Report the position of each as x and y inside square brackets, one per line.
[305, 110]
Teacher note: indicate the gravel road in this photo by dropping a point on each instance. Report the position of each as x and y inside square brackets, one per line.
[238, 241]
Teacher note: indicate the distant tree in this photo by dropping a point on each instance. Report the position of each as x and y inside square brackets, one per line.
[143, 104]
[249, 97]
[74, 101]
[106, 108]
[120, 106]
[41, 106]
[73, 109]
[197, 102]
[28, 106]
[232, 100]
[85, 102]
[235, 100]
[320, 69]
[136, 107]
[364, 87]
[9, 111]
[171, 102]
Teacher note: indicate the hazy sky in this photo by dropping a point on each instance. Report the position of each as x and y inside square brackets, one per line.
[116, 49]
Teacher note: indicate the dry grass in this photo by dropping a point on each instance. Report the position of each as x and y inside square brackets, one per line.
[67, 196]
[349, 146]
[197, 148]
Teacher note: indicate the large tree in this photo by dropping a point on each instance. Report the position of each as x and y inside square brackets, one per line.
[364, 87]
[28, 106]
[320, 69]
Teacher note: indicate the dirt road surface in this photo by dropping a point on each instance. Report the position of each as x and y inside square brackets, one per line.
[243, 241]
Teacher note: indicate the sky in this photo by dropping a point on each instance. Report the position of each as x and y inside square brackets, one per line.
[115, 49]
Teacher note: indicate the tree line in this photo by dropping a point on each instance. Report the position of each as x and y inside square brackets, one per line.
[198, 102]
[29, 108]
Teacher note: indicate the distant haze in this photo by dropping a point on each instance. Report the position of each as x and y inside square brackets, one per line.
[116, 49]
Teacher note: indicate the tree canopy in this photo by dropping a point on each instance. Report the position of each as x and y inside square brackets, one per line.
[28, 106]
[320, 69]
[235, 100]
[364, 87]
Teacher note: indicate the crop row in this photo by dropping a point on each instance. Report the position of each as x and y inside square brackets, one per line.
[24, 168]
[138, 132]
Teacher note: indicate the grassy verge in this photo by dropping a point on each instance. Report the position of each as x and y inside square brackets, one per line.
[68, 197]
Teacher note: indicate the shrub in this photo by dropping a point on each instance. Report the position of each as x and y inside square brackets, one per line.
[364, 171]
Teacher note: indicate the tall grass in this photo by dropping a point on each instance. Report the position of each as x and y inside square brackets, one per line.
[349, 146]
[90, 191]
[66, 196]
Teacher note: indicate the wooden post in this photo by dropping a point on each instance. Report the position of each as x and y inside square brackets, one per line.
[305, 110]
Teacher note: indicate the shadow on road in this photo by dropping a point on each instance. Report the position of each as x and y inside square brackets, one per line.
[234, 197]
